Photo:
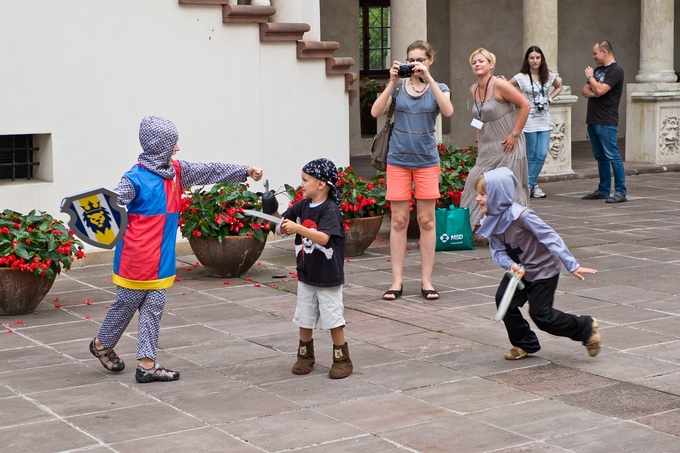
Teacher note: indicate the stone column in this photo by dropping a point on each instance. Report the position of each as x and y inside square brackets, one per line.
[653, 104]
[540, 29]
[656, 42]
[300, 11]
[408, 22]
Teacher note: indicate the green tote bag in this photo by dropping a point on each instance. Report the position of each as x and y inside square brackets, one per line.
[453, 229]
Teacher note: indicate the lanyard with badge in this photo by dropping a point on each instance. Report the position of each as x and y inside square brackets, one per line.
[477, 123]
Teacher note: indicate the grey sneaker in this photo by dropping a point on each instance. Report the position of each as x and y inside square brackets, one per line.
[536, 192]
[616, 198]
[155, 373]
[594, 196]
[108, 358]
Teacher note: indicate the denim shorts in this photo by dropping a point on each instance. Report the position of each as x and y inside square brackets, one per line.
[314, 303]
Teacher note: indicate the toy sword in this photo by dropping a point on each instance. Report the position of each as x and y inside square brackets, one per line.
[514, 283]
[262, 215]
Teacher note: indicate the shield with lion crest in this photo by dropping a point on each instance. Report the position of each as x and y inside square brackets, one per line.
[96, 217]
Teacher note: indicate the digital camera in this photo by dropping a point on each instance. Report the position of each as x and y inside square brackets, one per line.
[405, 70]
[540, 107]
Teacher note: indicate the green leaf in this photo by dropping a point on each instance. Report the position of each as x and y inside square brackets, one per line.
[21, 252]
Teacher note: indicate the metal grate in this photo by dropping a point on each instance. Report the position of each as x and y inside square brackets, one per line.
[16, 157]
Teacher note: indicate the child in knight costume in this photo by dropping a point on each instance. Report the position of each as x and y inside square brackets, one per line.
[316, 222]
[144, 261]
[522, 243]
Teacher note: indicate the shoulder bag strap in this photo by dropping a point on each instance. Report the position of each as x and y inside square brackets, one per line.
[394, 99]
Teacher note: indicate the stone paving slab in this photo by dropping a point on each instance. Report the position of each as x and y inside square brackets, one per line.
[429, 375]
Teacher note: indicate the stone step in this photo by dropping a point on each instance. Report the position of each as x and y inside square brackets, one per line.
[276, 31]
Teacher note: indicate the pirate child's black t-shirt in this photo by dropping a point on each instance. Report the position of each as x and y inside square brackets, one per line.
[319, 265]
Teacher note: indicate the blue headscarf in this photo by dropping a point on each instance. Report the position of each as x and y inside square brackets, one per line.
[324, 170]
[501, 208]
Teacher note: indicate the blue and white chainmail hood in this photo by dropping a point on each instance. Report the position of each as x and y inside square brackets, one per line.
[158, 137]
[501, 208]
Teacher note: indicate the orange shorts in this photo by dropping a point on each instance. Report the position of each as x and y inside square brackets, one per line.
[400, 181]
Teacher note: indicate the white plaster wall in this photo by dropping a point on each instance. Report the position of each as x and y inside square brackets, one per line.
[87, 72]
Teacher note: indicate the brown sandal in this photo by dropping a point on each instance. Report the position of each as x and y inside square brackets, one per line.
[107, 357]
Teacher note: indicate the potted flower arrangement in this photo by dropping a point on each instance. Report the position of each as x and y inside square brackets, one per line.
[362, 204]
[33, 250]
[369, 91]
[455, 164]
[225, 240]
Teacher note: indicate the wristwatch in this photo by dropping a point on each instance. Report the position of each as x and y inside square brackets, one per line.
[515, 134]
[589, 77]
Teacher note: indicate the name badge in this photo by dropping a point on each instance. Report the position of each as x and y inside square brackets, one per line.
[476, 123]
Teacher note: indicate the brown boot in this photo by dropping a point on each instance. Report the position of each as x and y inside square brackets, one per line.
[305, 358]
[342, 364]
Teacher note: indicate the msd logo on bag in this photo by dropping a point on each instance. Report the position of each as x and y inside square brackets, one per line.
[446, 238]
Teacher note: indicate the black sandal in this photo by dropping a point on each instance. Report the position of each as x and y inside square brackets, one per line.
[429, 294]
[393, 292]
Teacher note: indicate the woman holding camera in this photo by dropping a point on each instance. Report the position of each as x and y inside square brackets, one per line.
[499, 132]
[413, 159]
[534, 80]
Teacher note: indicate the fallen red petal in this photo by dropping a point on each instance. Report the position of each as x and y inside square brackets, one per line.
[87, 317]
[257, 285]
[226, 283]
[58, 305]
[56, 299]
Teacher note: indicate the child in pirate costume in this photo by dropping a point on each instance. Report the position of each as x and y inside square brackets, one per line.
[316, 222]
[144, 261]
[521, 242]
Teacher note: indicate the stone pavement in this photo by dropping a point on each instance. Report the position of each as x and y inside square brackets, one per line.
[429, 375]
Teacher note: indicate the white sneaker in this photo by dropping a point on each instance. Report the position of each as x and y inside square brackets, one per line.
[536, 192]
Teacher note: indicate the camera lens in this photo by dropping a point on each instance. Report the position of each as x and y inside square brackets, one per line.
[405, 70]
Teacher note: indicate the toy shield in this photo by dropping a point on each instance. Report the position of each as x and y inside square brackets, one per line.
[96, 217]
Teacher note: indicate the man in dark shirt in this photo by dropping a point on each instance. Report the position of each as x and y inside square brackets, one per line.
[603, 89]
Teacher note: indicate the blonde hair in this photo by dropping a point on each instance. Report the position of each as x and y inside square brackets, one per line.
[480, 185]
[488, 55]
[423, 45]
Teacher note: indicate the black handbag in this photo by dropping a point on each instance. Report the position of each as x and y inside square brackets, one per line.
[381, 141]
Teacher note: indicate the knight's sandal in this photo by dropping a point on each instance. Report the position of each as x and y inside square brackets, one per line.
[107, 357]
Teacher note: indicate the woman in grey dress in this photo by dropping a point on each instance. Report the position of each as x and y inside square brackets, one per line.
[499, 131]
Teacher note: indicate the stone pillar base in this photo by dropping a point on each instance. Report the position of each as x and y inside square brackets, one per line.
[653, 123]
[558, 161]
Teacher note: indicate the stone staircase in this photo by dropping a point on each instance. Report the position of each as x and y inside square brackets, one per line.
[279, 32]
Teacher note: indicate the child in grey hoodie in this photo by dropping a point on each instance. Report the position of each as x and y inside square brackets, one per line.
[524, 244]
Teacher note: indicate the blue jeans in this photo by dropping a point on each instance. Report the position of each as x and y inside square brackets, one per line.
[537, 149]
[603, 142]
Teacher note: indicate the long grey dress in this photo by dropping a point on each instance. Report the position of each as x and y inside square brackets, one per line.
[499, 119]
